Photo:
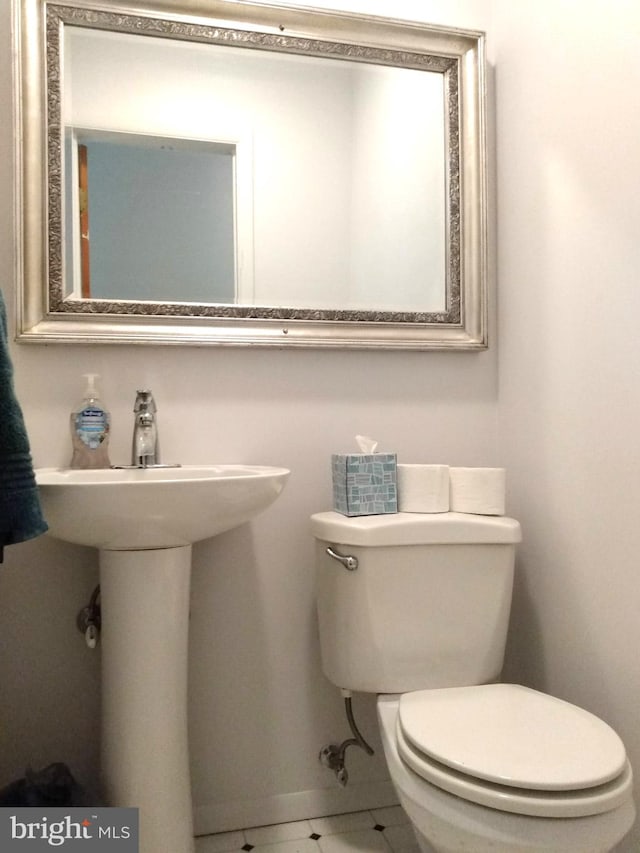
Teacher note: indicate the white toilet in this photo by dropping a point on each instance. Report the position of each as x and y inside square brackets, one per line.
[419, 615]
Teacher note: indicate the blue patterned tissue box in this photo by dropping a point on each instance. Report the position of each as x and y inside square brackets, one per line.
[364, 484]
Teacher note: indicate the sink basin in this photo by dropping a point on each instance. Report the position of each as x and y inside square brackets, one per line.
[136, 509]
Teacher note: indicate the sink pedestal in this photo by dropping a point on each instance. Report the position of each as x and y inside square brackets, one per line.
[143, 520]
[145, 751]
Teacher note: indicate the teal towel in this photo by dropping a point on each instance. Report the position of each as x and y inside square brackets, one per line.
[20, 511]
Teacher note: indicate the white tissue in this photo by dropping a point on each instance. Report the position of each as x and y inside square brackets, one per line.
[366, 445]
[423, 488]
[480, 491]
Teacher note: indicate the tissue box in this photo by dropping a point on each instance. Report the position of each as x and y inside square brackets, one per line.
[364, 484]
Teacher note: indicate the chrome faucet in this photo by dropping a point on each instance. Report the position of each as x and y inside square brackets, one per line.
[145, 450]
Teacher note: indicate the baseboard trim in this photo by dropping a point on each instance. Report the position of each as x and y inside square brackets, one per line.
[241, 814]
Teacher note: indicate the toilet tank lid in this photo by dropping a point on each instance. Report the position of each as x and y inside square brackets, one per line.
[407, 528]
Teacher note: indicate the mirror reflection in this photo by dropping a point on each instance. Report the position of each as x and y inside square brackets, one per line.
[250, 177]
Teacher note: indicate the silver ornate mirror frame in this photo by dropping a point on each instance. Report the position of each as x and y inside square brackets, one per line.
[44, 316]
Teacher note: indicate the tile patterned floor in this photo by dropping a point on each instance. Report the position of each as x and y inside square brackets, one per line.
[377, 831]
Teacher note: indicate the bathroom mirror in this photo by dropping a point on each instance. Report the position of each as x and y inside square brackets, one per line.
[217, 172]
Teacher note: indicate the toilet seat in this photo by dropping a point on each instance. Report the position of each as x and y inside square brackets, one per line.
[514, 749]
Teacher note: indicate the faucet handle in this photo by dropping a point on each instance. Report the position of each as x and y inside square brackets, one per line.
[144, 402]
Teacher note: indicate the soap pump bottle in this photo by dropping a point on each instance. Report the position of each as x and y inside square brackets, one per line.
[90, 425]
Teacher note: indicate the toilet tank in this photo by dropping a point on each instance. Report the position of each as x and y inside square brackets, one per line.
[427, 606]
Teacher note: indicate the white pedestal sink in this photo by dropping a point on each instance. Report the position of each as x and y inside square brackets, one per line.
[144, 522]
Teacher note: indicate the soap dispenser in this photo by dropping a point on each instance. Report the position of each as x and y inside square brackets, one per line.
[90, 425]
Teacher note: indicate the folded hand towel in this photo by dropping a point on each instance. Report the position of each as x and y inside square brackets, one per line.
[20, 511]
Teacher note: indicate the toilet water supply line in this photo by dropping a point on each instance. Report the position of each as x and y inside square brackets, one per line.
[333, 755]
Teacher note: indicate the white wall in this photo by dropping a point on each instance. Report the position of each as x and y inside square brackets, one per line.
[568, 157]
[261, 707]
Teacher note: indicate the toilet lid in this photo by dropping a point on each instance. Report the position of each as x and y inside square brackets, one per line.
[520, 801]
[512, 736]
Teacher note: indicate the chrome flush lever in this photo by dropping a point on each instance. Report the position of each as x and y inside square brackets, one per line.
[350, 563]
